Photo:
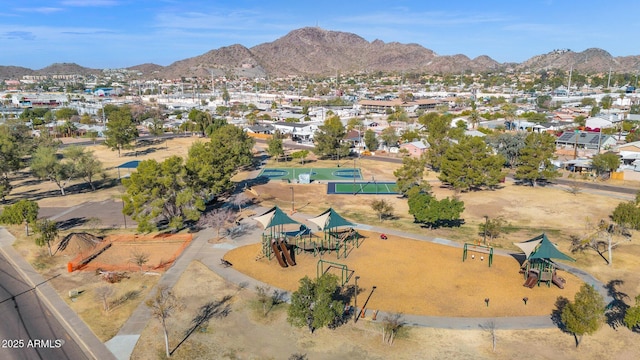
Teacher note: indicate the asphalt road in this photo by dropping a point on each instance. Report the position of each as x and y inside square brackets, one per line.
[28, 330]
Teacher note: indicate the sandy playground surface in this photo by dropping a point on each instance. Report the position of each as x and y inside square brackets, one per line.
[417, 277]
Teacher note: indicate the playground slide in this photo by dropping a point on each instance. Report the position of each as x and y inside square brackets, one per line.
[286, 254]
[532, 280]
[276, 252]
[558, 281]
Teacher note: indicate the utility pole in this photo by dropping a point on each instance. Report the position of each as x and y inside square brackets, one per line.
[354, 176]
[355, 302]
[486, 222]
[576, 133]
[293, 206]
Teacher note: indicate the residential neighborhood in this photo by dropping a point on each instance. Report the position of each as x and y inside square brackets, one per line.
[321, 196]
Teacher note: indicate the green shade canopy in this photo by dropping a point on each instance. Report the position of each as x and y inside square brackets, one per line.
[274, 217]
[330, 219]
[541, 248]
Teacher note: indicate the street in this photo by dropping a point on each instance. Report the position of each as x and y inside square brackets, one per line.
[28, 330]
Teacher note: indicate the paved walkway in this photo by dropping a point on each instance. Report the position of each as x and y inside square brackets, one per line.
[121, 346]
[84, 337]
[210, 254]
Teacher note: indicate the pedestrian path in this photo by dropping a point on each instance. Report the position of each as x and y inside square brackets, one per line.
[83, 336]
[121, 346]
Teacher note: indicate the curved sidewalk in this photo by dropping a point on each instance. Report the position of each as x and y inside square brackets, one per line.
[210, 255]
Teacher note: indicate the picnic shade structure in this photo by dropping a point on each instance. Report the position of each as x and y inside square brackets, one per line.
[273, 222]
[539, 252]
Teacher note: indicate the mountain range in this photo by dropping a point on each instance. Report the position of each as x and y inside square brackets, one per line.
[313, 51]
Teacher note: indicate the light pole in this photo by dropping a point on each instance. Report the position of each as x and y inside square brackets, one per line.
[355, 302]
[486, 221]
[354, 176]
[293, 204]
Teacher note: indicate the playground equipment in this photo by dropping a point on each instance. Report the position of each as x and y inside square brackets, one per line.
[478, 248]
[345, 273]
[538, 266]
[274, 220]
[334, 239]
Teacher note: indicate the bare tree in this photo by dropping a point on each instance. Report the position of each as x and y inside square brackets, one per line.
[263, 298]
[490, 327]
[601, 238]
[218, 218]
[163, 305]
[391, 324]
[239, 200]
[103, 293]
[139, 258]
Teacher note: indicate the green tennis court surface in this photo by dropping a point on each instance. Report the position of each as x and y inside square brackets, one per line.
[316, 173]
[380, 188]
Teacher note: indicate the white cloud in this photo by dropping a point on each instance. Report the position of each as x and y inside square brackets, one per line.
[42, 10]
[89, 3]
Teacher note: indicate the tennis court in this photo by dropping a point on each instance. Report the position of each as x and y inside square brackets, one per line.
[315, 173]
[378, 188]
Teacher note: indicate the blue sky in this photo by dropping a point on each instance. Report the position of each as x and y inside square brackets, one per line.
[123, 33]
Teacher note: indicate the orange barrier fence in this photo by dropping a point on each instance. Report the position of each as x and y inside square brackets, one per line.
[116, 253]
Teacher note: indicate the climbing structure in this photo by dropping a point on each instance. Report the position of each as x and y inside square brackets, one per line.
[539, 265]
[338, 233]
[274, 237]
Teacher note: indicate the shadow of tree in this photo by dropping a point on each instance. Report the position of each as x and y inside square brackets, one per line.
[617, 308]
[71, 223]
[213, 309]
[556, 314]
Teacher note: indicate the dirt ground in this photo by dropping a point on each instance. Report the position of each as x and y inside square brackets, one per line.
[48, 194]
[245, 334]
[417, 277]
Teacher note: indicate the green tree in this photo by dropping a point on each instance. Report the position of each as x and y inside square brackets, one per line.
[48, 232]
[225, 96]
[370, 140]
[606, 102]
[632, 316]
[66, 113]
[84, 163]
[46, 165]
[535, 159]
[438, 127]
[627, 214]
[389, 136]
[162, 192]
[121, 130]
[383, 208]
[274, 146]
[328, 139]
[508, 145]
[411, 174]
[605, 163]
[301, 154]
[492, 227]
[316, 303]
[426, 209]
[544, 101]
[22, 212]
[585, 315]
[471, 164]
[15, 145]
[212, 164]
